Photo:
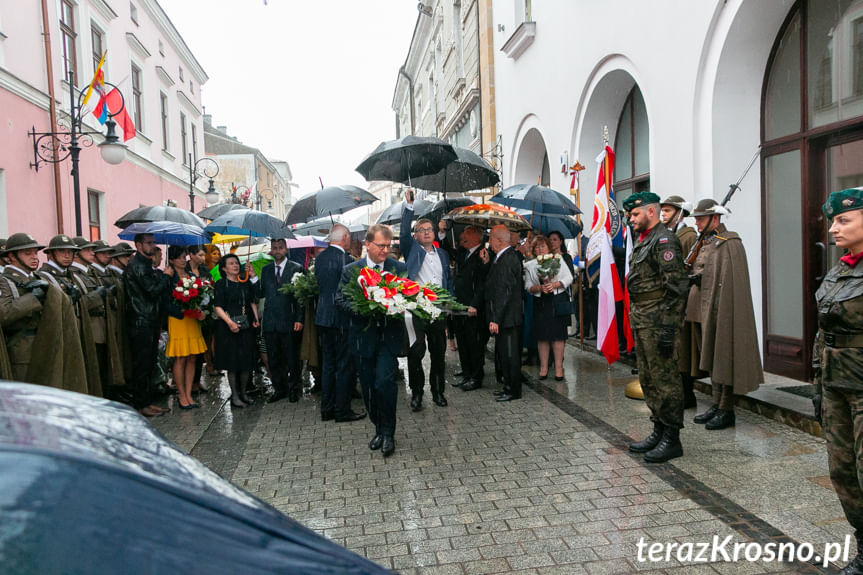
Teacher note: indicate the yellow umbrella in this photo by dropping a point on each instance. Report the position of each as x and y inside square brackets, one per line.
[227, 238]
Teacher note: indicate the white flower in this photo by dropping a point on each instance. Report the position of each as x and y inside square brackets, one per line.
[179, 289]
[185, 292]
[296, 278]
[205, 300]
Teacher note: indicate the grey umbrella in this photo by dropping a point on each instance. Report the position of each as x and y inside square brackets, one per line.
[216, 210]
[467, 172]
[328, 202]
[393, 214]
[536, 199]
[159, 214]
[249, 223]
[406, 158]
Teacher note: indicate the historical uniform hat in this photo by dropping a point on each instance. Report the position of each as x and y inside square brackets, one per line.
[709, 207]
[20, 241]
[679, 203]
[844, 201]
[122, 249]
[640, 199]
[83, 243]
[61, 242]
[101, 246]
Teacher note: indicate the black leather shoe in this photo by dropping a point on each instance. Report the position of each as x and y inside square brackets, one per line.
[648, 442]
[669, 447]
[388, 445]
[440, 400]
[543, 377]
[707, 415]
[350, 416]
[278, 396]
[507, 397]
[721, 420]
[472, 385]
[293, 396]
[500, 392]
[327, 416]
[376, 442]
[459, 383]
[416, 402]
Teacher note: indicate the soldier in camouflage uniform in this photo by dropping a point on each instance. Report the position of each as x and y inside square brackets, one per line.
[657, 284]
[837, 359]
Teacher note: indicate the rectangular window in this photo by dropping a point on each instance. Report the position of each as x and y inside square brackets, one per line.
[136, 98]
[181, 74]
[97, 40]
[191, 87]
[194, 141]
[133, 12]
[161, 48]
[95, 208]
[858, 57]
[67, 40]
[163, 104]
[184, 146]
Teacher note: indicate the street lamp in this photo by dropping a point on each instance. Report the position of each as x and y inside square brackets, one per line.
[193, 177]
[54, 147]
[259, 197]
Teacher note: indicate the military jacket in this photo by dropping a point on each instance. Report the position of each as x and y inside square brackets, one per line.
[61, 279]
[95, 303]
[20, 313]
[838, 352]
[656, 281]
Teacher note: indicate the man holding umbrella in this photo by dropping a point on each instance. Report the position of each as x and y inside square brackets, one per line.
[426, 265]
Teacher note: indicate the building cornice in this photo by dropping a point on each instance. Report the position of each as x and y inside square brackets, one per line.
[104, 9]
[520, 40]
[137, 46]
[167, 27]
[462, 114]
[181, 95]
[164, 76]
[15, 85]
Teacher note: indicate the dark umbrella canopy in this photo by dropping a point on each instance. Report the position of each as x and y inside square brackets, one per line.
[440, 208]
[328, 202]
[393, 214]
[406, 158]
[214, 211]
[487, 216]
[250, 223]
[169, 233]
[159, 214]
[467, 172]
[546, 223]
[536, 199]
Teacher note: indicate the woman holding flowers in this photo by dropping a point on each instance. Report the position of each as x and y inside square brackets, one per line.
[185, 341]
[235, 333]
[547, 278]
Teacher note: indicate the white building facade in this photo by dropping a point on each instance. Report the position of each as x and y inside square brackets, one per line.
[689, 92]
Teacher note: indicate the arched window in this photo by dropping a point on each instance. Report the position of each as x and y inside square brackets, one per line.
[812, 144]
[632, 148]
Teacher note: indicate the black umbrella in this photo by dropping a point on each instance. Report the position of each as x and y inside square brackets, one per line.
[159, 214]
[327, 202]
[249, 223]
[214, 211]
[536, 199]
[393, 214]
[440, 208]
[546, 223]
[406, 158]
[467, 172]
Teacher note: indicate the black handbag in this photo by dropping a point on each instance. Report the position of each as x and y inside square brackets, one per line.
[562, 304]
[242, 320]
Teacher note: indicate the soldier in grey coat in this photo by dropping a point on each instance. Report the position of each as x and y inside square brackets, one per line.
[657, 285]
[838, 362]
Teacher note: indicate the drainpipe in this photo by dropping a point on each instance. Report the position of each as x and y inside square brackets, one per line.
[52, 108]
[479, 74]
[411, 91]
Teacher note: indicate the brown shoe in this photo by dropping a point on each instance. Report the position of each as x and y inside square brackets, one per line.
[150, 412]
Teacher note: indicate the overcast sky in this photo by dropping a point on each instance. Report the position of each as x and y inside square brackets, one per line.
[308, 82]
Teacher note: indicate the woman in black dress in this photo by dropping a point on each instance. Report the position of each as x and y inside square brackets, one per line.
[549, 328]
[235, 338]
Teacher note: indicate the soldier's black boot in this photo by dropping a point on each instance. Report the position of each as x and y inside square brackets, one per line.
[669, 447]
[650, 441]
[722, 419]
[856, 565]
[707, 415]
[689, 400]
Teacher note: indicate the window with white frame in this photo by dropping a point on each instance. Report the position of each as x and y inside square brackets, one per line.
[137, 100]
[68, 38]
[184, 146]
[133, 12]
[97, 42]
[163, 108]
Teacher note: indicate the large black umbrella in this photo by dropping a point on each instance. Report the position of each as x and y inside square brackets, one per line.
[393, 214]
[440, 208]
[406, 158]
[546, 223]
[249, 223]
[88, 486]
[328, 202]
[467, 172]
[216, 210]
[159, 214]
[322, 227]
[536, 199]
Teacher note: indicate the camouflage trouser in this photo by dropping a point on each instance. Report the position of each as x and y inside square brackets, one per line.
[660, 378]
[842, 422]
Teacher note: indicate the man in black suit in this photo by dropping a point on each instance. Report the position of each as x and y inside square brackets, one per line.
[504, 289]
[333, 330]
[283, 316]
[471, 330]
[376, 342]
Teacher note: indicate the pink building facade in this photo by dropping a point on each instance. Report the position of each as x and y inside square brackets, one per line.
[160, 80]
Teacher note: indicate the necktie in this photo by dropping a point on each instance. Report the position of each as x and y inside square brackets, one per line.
[278, 275]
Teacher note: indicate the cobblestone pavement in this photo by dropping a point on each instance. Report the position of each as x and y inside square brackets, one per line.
[543, 485]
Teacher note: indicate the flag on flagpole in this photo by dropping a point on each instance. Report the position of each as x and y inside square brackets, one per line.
[609, 293]
[627, 328]
[606, 215]
[98, 81]
[114, 105]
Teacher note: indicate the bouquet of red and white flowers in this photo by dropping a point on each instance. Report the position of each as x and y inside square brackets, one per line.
[372, 293]
[194, 296]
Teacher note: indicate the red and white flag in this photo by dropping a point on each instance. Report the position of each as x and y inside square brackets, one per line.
[627, 329]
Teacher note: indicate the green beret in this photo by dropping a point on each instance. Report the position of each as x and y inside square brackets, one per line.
[640, 199]
[844, 201]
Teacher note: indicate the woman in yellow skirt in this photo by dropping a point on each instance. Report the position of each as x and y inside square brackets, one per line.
[185, 341]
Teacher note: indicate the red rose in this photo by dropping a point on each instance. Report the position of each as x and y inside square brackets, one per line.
[193, 292]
